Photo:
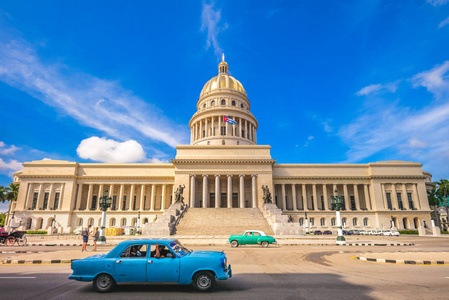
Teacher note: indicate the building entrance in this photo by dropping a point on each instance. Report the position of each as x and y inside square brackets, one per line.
[235, 200]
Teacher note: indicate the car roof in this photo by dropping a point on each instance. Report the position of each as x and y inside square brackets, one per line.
[153, 240]
[259, 231]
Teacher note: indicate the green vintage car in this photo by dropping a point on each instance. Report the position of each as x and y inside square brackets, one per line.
[251, 237]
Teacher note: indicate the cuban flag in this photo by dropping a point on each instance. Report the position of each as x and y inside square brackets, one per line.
[229, 120]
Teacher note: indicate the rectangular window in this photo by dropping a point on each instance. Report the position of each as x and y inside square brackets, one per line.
[124, 203]
[276, 200]
[204, 133]
[45, 200]
[313, 204]
[55, 206]
[390, 207]
[224, 199]
[223, 130]
[352, 202]
[343, 207]
[243, 133]
[322, 202]
[134, 202]
[114, 202]
[94, 202]
[399, 195]
[36, 195]
[410, 200]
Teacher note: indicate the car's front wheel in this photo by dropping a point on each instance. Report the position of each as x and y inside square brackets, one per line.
[234, 244]
[264, 244]
[203, 281]
[104, 283]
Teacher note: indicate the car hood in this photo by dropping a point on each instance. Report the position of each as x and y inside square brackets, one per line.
[205, 253]
[96, 256]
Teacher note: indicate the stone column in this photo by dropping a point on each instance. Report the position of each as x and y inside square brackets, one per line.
[79, 197]
[240, 127]
[100, 193]
[89, 197]
[254, 190]
[346, 193]
[250, 131]
[217, 192]
[304, 197]
[394, 197]
[227, 128]
[384, 196]
[131, 197]
[201, 129]
[315, 197]
[192, 191]
[40, 197]
[111, 194]
[416, 197]
[30, 194]
[142, 197]
[326, 197]
[255, 135]
[219, 125]
[51, 196]
[61, 196]
[206, 128]
[229, 192]
[404, 197]
[213, 127]
[163, 197]
[294, 196]
[246, 129]
[356, 197]
[153, 194]
[205, 191]
[367, 198]
[173, 194]
[283, 201]
[120, 198]
[242, 190]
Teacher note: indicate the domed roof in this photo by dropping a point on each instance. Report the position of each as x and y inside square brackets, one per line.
[223, 81]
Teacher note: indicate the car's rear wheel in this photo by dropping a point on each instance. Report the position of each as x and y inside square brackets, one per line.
[203, 281]
[104, 283]
[234, 243]
[264, 244]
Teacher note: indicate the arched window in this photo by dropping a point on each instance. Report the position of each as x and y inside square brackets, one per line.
[233, 103]
[323, 221]
[333, 222]
[241, 105]
[40, 222]
[415, 222]
[90, 222]
[354, 222]
[112, 222]
[134, 222]
[312, 221]
[212, 103]
[405, 223]
[28, 224]
[344, 221]
[365, 222]
[223, 102]
[80, 222]
[145, 221]
[301, 221]
[124, 222]
[204, 105]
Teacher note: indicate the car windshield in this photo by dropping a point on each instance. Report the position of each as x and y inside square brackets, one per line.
[179, 248]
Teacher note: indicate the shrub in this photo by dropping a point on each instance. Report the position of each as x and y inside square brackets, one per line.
[408, 231]
[36, 231]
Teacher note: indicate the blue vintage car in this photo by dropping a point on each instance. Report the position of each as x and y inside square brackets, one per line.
[136, 261]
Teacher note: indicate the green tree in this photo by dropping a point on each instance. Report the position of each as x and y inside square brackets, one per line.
[2, 219]
[11, 195]
[432, 196]
[3, 192]
[442, 188]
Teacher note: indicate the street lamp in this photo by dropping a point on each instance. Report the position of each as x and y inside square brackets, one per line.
[138, 223]
[337, 203]
[307, 224]
[105, 203]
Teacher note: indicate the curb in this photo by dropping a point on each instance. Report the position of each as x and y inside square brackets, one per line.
[405, 244]
[65, 245]
[403, 262]
[36, 261]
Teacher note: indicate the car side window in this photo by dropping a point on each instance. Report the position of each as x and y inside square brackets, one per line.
[164, 252]
[256, 234]
[248, 234]
[135, 251]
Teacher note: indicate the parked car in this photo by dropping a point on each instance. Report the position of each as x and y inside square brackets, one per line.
[251, 237]
[327, 232]
[133, 261]
[345, 232]
[354, 232]
[373, 232]
[391, 233]
[362, 232]
[317, 232]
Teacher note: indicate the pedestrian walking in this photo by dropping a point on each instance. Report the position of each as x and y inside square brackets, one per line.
[85, 233]
[96, 236]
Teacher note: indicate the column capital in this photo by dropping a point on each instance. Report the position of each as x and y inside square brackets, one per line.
[254, 175]
[229, 175]
[217, 175]
[241, 176]
[205, 176]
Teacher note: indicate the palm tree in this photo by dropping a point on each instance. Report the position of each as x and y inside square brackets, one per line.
[442, 188]
[432, 196]
[3, 193]
[11, 196]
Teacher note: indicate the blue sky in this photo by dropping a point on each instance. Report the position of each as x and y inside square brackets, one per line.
[329, 81]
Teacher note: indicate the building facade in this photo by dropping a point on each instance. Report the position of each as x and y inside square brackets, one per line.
[223, 167]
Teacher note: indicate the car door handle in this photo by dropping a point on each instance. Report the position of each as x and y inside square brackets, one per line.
[150, 261]
[119, 261]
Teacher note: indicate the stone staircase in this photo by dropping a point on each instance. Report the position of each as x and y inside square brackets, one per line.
[222, 221]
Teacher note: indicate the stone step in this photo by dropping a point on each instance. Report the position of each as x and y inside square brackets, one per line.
[222, 221]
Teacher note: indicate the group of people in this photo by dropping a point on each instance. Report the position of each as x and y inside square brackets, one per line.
[85, 233]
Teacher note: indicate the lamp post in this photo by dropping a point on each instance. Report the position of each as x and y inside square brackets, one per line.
[307, 224]
[138, 224]
[337, 203]
[105, 203]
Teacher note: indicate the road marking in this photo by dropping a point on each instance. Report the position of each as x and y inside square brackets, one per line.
[17, 277]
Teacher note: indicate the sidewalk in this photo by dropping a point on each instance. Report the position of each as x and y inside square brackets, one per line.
[413, 258]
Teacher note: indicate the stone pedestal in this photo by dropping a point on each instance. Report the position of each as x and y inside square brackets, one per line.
[165, 225]
[279, 222]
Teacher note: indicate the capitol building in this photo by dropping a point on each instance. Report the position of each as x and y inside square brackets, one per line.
[222, 170]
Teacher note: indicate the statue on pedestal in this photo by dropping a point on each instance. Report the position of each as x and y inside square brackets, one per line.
[266, 194]
[178, 194]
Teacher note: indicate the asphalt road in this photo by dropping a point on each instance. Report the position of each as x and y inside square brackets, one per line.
[295, 272]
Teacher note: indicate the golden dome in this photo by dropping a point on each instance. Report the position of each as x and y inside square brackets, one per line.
[223, 81]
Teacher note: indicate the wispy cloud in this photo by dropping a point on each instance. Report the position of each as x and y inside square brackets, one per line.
[272, 12]
[376, 88]
[443, 23]
[437, 2]
[210, 18]
[393, 127]
[93, 102]
[7, 150]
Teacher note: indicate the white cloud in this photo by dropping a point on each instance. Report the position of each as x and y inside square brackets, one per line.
[404, 130]
[110, 151]
[209, 22]
[12, 165]
[310, 138]
[93, 102]
[443, 23]
[7, 150]
[437, 2]
[374, 88]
